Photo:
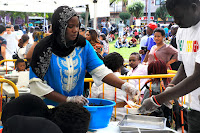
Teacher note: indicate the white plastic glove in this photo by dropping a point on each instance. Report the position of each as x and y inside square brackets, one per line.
[77, 99]
[168, 104]
[130, 89]
[148, 106]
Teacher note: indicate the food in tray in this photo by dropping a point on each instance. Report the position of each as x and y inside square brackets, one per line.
[133, 104]
[132, 109]
[130, 106]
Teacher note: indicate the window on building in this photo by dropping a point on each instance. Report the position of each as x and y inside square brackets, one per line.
[158, 2]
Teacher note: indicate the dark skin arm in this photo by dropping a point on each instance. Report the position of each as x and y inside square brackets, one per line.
[110, 79]
[56, 97]
[113, 80]
[185, 85]
[146, 56]
[180, 75]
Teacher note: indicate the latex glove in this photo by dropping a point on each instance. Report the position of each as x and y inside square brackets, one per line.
[130, 89]
[168, 103]
[148, 106]
[77, 99]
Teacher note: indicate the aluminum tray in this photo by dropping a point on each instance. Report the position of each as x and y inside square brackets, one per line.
[148, 131]
[133, 122]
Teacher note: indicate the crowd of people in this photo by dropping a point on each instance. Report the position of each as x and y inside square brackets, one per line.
[59, 61]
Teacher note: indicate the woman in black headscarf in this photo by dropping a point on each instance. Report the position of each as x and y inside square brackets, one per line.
[59, 62]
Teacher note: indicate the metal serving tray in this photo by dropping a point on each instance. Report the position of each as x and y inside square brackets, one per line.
[148, 131]
[133, 122]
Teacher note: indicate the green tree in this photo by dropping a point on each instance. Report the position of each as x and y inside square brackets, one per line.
[124, 4]
[162, 13]
[3, 14]
[124, 16]
[83, 16]
[14, 15]
[136, 8]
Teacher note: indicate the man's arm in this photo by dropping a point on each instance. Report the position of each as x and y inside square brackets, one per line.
[180, 75]
[146, 56]
[185, 86]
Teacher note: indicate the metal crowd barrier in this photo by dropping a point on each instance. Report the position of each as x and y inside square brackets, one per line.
[160, 76]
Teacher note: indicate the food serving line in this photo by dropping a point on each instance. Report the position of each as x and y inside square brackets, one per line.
[132, 122]
[129, 124]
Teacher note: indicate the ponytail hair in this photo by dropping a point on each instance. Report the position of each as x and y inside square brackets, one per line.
[23, 39]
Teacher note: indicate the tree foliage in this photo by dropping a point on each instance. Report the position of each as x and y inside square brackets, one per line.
[112, 1]
[162, 13]
[124, 16]
[136, 8]
[24, 15]
[83, 16]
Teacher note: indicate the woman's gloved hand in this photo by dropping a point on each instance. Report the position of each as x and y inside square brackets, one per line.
[148, 106]
[130, 89]
[77, 99]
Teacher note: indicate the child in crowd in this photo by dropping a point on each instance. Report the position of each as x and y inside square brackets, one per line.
[20, 65]
[102, 37]
[136, 34]
[124, 42]
[132, 42]
[113, 61]
[110, 36]
[118, 43]
[69, 117]
[137, 69]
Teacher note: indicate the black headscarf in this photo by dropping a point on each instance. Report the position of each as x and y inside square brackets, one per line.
[56, 42]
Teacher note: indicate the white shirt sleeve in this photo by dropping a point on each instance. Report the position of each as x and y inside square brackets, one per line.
[99, 73]
[39, 88]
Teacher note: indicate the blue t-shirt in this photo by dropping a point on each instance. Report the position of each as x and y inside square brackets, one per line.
[166, 30]
[66, 75]
[150, 42]
[104, 30]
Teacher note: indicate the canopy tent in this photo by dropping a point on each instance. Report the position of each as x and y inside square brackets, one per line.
[48, 6]
[38, 22]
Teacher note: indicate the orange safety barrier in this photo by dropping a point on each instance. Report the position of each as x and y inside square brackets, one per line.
[161, 76]
[90, 80]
